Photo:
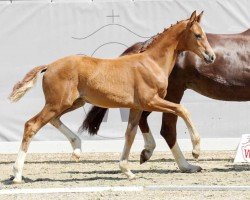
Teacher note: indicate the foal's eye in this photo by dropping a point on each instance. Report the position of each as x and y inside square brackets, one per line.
[198, 36]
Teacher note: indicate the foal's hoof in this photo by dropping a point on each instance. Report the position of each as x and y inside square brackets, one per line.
[16, 180]
[145, 156]
[131, 177]
[76, 155]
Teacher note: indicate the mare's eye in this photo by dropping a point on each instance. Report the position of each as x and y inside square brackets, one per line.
[198, 36]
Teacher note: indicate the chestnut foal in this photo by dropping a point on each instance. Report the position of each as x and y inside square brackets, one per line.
[135, 81]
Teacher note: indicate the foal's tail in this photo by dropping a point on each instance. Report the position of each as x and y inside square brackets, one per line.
[26, 84]
[93, 120]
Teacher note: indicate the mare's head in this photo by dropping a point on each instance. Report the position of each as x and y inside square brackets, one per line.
[195, 39]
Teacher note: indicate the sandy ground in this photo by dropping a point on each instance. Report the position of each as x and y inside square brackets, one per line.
[101, 169]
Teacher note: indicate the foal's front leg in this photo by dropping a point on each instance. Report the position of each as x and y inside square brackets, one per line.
[134, 117]
[159, 104]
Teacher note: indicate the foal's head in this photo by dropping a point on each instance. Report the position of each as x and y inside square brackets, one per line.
[195, 39]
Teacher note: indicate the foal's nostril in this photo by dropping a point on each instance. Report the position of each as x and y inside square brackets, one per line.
[212, 58]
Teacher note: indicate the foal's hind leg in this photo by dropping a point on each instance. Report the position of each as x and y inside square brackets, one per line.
[74, 140]
[59, 97]
[30, 129]
[134, 117]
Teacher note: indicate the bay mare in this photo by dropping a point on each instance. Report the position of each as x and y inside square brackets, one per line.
[74, 80]
[227, 79]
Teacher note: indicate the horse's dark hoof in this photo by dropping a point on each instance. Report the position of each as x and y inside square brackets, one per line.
[192, 169]
[144, 156]
[195, 154]
[199, 169]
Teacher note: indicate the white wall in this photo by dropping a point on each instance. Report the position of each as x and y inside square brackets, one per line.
[38, 32]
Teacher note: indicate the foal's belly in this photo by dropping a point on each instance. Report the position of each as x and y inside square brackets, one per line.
[109, 98]
[109, 101]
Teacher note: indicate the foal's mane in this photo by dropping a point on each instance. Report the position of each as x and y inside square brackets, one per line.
[149, 43]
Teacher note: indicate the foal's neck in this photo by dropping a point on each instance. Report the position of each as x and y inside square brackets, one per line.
[166, 47]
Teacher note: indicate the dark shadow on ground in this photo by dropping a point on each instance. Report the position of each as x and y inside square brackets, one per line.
[231, 168]
[111, 161]
[95, 172]
[28, 180]
[157, 171]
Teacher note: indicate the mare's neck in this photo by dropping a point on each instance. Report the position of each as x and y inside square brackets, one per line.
[167, 47]
[247, 32]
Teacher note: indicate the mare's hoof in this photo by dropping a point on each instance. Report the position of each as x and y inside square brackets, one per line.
[192, 169]
[196, 154]
[145, 155]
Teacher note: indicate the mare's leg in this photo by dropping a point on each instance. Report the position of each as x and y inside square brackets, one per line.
[149, 142]
[168, 128]
[74, 140]
[169, 121]
[134, 117]
[168, 132]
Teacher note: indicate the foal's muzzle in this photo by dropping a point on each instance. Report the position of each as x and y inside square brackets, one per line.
[209, 57]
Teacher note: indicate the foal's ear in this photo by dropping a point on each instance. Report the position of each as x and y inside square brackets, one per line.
[198, 18]
[193, 17]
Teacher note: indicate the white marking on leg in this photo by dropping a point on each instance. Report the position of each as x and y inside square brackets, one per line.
[18, 166]
[182, 163]
[124, 167]
[75, 141]
[149, 144]
[73, 138]
[149, 141]
[124, 164]
[134, 117]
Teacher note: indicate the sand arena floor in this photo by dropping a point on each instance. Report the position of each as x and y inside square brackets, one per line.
[101, 169]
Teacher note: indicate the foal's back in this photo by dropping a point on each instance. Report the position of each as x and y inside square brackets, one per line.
[107, 82]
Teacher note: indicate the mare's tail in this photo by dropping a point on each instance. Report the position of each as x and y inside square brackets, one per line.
[93, 120]
[26, 84]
